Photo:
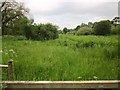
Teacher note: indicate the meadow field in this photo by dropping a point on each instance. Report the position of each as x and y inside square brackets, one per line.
[67, 58]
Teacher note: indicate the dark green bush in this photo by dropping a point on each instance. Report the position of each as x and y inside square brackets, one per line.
[41, 32]
[102, 27]
[28, 32]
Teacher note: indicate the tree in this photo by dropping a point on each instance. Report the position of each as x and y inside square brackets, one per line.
[90, 24]
[116, 20]
[102, 27]
[12, 11]
[65, 30]
[83, 24]
[19, 26]
[77, 28]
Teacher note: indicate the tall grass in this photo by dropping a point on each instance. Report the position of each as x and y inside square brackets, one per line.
[67, 58]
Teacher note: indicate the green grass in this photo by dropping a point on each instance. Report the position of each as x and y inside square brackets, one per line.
[67, 58]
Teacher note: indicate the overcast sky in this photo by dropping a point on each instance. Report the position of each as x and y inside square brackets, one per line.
[70, 13]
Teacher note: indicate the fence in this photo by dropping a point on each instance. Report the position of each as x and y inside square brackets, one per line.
[21, 85]
[10, 68]
[53, 85]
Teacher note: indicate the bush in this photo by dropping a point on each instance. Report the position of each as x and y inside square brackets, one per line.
[41, 32]
[84, 31]
[102, 27]
[28, 32]
[115, 30]
[45, 32]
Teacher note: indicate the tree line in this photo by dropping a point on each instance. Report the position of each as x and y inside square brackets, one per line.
[15, 21]
[104, 27]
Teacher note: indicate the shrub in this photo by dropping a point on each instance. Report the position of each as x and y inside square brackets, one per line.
[46, 32]
[102, 27]
[115, 30]
[84, 31]
[28, 32]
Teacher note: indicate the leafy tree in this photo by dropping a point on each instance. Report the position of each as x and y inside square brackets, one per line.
[12, 11]
[77, 28]
[116, 20]
[19, 26]
[102, 27]
[65, 30]
[83, 25]
[90, 24]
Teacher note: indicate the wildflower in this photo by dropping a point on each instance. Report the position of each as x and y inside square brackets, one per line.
[1, 51]
[79, 77]
[11, 50]
[95, 77]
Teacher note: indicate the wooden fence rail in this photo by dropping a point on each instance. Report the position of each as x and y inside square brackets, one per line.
[10, 68]
[104, 84]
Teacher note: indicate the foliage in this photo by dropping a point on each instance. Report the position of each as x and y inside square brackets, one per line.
[77, 28]
[102, 27]
[115, 29]
[12, 11]
[19, 27]
[61, 59]
[90, 24]
[44, 32]
[28, 32]
[65, 30]
[83, 25]
[84, 31]
[60, 31]
[116, 20]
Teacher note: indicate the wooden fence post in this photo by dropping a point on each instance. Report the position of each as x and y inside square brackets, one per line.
[10, 70]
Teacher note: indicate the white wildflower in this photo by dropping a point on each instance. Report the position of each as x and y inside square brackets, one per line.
[1, 51]
[79, 77]
[11, 50]
[95, 77]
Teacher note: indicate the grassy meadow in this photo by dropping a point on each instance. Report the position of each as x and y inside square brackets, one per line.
[67, 58]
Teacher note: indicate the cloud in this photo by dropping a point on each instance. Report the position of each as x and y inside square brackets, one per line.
[72, 8]
[70, 13]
